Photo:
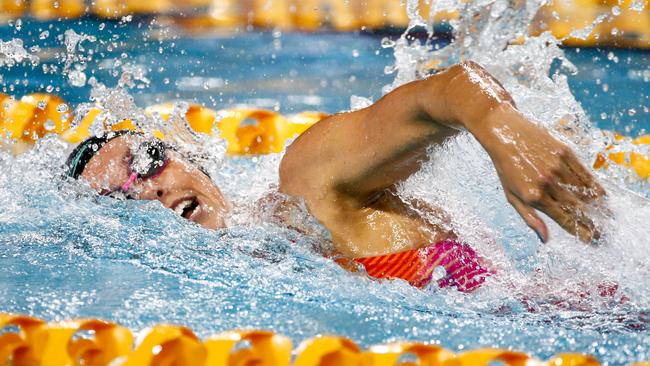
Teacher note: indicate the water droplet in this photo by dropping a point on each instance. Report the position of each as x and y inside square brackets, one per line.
[44, 34]
[77, 78]
[62, 108]
[49, 125]
[390, 69]
[102, 26]
[387, 43]
[616, 10]
[638, 5]
[41, 105]
[19, 24]
[631, 112]
[355, 53]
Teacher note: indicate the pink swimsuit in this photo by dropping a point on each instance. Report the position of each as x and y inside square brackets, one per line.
[463, 266]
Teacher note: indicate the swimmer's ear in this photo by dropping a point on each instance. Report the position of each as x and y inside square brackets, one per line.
[530, 216]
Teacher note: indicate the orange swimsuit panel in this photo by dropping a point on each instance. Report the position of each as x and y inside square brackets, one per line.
[463, 266]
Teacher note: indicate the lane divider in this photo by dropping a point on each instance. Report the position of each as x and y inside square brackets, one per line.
[26, 340]
[247, 131]
[634, 161]
[625, 23]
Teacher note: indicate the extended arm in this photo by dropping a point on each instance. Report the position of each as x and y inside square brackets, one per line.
[345, 161]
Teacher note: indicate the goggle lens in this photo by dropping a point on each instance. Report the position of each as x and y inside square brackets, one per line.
[149, 159]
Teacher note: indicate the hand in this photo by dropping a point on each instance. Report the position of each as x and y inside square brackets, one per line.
[539, 172]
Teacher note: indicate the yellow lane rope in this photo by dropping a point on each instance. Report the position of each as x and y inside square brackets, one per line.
[26, 340]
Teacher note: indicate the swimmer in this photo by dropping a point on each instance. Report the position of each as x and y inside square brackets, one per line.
[346, 168]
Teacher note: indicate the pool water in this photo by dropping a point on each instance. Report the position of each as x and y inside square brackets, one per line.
[65, 253]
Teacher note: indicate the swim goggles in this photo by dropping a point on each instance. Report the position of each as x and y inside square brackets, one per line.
[147, 161]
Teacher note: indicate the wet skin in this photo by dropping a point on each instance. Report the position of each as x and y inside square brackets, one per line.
[179, 185]
[346, 167]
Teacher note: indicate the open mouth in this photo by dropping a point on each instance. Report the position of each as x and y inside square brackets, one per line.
[186, 207]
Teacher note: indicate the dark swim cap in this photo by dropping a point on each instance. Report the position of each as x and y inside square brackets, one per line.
[85, 151]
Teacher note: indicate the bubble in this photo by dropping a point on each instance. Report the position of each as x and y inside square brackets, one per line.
[44, 34]
[616, 10]
[62, 108]
[355, 53]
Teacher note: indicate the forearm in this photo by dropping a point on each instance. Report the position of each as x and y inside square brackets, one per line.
[364, 151]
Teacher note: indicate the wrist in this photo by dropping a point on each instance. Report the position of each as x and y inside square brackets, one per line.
[495, 126]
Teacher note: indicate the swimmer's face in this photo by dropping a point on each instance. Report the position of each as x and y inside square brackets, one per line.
[178, 185]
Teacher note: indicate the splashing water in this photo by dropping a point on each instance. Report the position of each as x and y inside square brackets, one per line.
[13, 52]
[75, 61]
[472, 195]
[69, 253]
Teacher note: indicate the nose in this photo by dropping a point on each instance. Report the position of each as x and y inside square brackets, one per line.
[151, 191]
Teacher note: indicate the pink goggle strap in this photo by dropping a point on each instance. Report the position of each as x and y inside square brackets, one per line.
[129, 182]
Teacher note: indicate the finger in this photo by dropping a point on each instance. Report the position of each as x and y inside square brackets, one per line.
[593, 188]
[570, 215]
[530, 216]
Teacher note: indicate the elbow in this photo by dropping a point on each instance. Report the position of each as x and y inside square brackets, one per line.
[474, 73]
[465, 69]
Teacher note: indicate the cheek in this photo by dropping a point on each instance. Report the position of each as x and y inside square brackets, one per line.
[176, 175]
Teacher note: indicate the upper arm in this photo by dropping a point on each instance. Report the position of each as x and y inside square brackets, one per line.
[355, 154]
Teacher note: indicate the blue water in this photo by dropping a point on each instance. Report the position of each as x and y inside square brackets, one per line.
[65, 253]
